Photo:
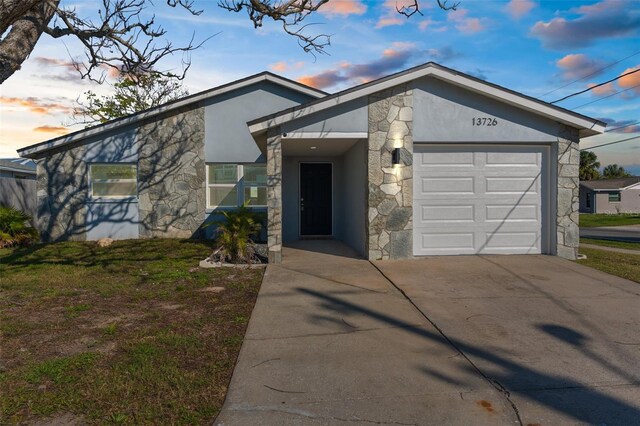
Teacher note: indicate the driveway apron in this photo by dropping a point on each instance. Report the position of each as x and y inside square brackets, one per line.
[331, 341]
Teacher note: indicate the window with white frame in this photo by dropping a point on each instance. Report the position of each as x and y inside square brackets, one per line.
[115, 180]
[232, 185]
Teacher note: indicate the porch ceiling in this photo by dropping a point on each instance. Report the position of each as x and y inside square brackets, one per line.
[323, 147]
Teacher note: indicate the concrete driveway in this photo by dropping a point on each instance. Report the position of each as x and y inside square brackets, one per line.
[449, 340]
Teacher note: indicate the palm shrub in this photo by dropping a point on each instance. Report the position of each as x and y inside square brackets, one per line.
[15, 229]
[234, 243]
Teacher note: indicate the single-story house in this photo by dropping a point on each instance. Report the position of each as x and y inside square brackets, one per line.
[610, 195]
[427, 161]
[18, 184]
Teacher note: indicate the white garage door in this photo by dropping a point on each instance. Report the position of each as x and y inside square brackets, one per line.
[474, 199]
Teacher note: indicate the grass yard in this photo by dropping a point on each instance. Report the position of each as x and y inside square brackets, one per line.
[611, 243]
[589, 220]
[620, 264]
[134, 333]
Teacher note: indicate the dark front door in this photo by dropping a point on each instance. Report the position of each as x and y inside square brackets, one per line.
[315, 199]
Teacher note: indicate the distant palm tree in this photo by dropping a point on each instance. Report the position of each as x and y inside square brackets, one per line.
[613, 171]
[589, 165]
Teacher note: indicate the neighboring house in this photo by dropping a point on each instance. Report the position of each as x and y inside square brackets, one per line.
[18, 184]
[610, 195]
[427, 161]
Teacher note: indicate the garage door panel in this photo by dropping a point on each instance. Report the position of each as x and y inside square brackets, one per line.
[433, 213]
[511, 185]
[451, 241]
[509, 212]
[447, 185]
[491, 206]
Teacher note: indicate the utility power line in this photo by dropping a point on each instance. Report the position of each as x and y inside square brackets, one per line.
[608, 96]
[610, 143]
[622, 127]
[596, 86]
[592, 74]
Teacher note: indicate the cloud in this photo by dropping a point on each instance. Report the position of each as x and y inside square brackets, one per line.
[392, 59]
[607, 89]
[518, 8]
[575, 66]
[622, 126]
[431, 25]
[630, 81]
[283, 66]
[478, 73]
[51, 129]
[36, 105]
[342, 8]
[465, 24]
[606, 19]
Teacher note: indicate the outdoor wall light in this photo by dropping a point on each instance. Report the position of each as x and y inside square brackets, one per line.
[395, 156]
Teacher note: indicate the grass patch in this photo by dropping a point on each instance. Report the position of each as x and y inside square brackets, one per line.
[610, 243]
[590, 220]
[619, 264]
[119, 335]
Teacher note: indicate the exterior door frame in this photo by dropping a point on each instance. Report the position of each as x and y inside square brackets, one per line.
[333, 200]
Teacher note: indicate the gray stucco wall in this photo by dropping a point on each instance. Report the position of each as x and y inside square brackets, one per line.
[62, 195]
[227, 137]
[350, 117]
[354, 186]
[443, 113]
[629, 202]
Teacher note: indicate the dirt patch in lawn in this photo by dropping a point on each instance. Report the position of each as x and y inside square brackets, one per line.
[123, 334]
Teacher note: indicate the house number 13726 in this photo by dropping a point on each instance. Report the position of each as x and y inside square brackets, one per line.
[484, 121]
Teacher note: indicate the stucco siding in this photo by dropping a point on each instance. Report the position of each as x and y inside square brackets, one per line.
[350, 117]
[629, 202]
[354, 185]
[227, 137]
[444, 112]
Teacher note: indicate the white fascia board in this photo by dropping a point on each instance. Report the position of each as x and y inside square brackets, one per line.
[630, 186]
[325, 135]
[53, 143]
[587, 127]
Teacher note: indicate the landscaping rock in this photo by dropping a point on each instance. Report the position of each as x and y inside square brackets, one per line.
[104, 242]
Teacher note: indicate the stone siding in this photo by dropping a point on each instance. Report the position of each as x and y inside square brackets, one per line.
[390, 188]
[171, 175]
[62, 194]
[274, 195]
[568, 235]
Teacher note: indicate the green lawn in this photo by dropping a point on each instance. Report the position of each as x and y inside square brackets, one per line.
[588, 220]
[610, 243]
[620, 264]
[129, 334]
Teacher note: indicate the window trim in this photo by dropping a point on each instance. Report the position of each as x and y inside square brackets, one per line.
[619, 196]
[91, 181]
[588, 200]
[239, 185]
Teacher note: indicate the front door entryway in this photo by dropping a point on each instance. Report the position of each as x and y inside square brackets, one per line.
[316, 199]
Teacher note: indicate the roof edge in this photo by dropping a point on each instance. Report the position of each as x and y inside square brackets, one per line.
[33, 150]
[588, 125]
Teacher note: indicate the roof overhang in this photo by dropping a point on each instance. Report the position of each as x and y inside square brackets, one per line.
[587, 126]
[34, 150]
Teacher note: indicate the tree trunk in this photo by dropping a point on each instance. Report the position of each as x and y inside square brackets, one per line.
[23, 36]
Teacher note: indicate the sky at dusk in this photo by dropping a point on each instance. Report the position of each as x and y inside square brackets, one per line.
[534, 47]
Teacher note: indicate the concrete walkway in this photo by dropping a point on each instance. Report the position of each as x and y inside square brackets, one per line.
[331, 341]
[499, 340]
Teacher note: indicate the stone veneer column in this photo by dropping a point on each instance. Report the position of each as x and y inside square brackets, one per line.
[274, 195]
[390, 189]
[568, 193]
